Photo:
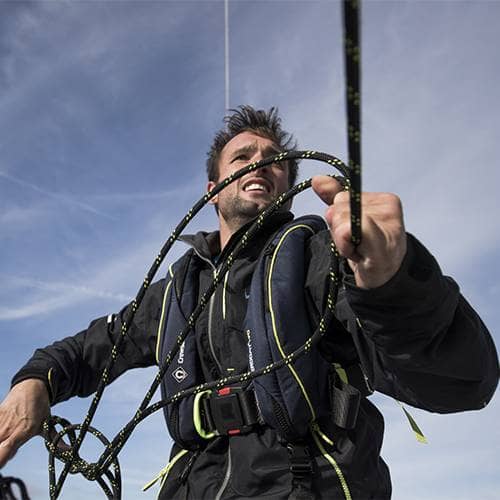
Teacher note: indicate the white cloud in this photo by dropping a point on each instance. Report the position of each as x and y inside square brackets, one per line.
[62, 198]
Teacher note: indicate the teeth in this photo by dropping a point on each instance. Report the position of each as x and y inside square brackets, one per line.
[255, 187]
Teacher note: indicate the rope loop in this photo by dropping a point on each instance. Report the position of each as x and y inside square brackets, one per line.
[106, 470]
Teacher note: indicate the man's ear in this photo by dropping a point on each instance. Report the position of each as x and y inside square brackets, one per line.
[210, 186]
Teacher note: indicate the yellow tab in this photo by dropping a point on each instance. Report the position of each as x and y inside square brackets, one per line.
[164, 472]
[414, 426]
[341, 373]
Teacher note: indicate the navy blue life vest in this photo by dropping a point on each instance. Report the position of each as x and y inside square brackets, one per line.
[288, 399]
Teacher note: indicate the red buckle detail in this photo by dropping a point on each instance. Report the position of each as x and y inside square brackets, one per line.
[224, 392]
[233, 432]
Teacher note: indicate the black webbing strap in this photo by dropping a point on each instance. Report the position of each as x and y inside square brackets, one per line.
[344, 400]
[301, 467]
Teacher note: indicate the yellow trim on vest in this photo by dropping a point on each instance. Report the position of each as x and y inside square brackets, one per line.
[164, 472]
[273, 320]
[317, 432]
[162, 317]
[224, 296]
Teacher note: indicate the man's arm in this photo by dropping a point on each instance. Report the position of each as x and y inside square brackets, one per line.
[418, 339]
[73, 367]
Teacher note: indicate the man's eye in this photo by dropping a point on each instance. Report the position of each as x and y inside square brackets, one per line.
[240, 157]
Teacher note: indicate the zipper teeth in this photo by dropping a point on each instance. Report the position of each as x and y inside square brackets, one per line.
[226, 476]
[282, 419]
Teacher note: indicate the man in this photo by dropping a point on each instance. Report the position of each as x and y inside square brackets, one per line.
[415, 337]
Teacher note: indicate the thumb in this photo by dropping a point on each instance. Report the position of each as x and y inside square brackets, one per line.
[326, 188]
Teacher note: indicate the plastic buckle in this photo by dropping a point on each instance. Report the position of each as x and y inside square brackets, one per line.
[226, 411]
[300, 461]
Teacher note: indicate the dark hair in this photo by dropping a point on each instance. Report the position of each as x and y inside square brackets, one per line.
[264, 123]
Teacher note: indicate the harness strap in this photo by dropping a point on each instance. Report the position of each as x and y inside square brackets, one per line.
[301, 467]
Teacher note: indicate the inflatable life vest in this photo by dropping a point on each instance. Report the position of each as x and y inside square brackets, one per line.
[288, 399]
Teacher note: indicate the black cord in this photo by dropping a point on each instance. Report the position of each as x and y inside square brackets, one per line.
[7, 491]
[352, 179]
[73, 462]
[352, 60]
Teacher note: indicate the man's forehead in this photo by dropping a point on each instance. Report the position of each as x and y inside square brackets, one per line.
[251, 141]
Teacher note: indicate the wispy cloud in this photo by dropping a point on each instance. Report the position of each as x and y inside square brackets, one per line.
[60, 197]
[59, 296]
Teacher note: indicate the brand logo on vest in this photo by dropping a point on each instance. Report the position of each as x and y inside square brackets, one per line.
[181, 353]
[179, 374]
[250, 354]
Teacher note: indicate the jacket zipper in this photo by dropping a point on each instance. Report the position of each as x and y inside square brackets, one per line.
[210, 312]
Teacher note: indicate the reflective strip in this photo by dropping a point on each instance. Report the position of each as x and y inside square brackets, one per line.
[227, 475]
[197, 417]
[414, 426]
[49, 379]
[315, 428]
[315, 433]
[341, 373]
[164, 472]
[162, 317]
[273, 320]
[224, 296]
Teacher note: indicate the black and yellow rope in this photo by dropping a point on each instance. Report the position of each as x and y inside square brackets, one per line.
[12, 488]
[100, 470]
[352, 59]
[74, 463]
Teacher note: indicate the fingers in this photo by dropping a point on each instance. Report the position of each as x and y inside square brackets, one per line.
[21, 416]
[10, 445]
[326, 188]
[338, 217]
[383, 241]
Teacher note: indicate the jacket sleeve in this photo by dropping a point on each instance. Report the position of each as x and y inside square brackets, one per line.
[417, 338]
[73, 366]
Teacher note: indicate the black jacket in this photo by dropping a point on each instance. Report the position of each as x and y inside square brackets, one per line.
[417, 338]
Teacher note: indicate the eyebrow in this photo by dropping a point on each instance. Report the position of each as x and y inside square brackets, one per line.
[251, 148]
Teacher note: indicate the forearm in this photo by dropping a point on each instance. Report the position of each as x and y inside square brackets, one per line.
[74, 366]
[419, 339]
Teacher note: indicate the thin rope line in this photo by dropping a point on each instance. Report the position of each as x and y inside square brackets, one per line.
[226, 54]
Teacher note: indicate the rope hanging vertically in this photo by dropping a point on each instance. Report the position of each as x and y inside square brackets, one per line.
[226, 55]
[352, 59]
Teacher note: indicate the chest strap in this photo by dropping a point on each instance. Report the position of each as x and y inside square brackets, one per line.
[228, 411]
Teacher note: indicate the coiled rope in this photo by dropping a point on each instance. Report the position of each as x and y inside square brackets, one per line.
[106, 470]
[8, 486]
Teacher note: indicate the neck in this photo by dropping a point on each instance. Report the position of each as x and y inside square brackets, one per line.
[226, 230]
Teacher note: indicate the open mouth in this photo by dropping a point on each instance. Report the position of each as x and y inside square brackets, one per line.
[257, 185]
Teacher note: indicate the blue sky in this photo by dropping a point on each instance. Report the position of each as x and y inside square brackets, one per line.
[107, 109]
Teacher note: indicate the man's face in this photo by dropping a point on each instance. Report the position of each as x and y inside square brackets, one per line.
[242, 200]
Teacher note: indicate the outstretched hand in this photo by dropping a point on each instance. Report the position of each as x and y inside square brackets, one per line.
[383, 238]
[21, 416]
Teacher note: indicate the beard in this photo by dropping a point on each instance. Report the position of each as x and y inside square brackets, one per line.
[237, 212]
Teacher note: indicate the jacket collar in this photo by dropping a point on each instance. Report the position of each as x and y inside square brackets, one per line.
[207, 245]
